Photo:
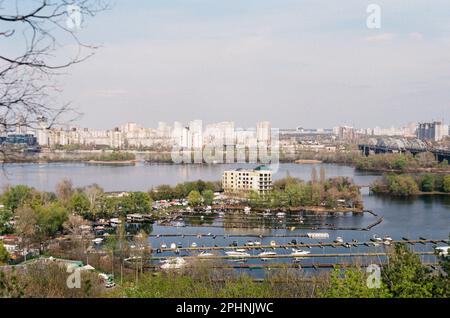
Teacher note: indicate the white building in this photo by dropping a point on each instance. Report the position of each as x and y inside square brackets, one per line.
[263, 132]
[243, 180]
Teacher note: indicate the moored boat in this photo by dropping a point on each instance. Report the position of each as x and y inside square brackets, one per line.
[205, 254]
[298, 252]
[237, 254]
[97, 240]
[265, 254]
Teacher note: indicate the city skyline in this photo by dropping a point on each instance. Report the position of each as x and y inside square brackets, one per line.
[195, 135]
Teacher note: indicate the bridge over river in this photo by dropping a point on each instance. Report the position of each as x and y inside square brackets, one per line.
[440, 154]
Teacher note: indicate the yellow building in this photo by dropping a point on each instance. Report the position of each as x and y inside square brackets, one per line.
[245, 180]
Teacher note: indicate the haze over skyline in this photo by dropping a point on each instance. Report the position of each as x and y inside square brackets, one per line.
[294, 63]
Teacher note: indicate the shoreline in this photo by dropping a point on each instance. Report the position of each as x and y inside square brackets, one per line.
[316, 209]
[112, 162]
[308, 161]
[420, 193]
[406, 171]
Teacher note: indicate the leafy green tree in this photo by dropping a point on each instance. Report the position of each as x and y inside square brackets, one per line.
[162, 192]
[181, 191]
[293, 193]
[400, 163]
[50, 219]
[17, 196]
[405, 276]
[195, 198]
[444, 164]
[402, 185]
[5, 217]
[141, 202]
[352, 283]
[208, 197]
[4, 255]
[80, 203]
[427, 183]
[446, 184]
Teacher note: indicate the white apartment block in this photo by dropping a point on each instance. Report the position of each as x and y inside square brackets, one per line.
[263, 132]
[246, 180]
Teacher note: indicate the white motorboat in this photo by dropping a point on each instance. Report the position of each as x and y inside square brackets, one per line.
[205, 254]
[257, 243]
[339, 240]
[241, 250]
[376, 238]
[387, 240]
[194, 244]
[173, 246]
[98, 240]
[163, 245]
[250, 243]
[281, 214]
[297, 252]
[237, 254]
[273, 243]
[247, 210]
[266, 253]
[442, 250]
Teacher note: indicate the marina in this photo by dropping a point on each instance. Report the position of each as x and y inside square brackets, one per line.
[261, 238]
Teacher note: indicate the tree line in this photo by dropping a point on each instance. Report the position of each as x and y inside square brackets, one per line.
[400, 162]
[409, 185]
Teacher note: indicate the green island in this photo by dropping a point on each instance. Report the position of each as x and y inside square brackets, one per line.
[409, 185]
[402, 162]
[113, 157]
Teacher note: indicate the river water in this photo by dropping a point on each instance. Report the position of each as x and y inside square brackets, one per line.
[423, 216]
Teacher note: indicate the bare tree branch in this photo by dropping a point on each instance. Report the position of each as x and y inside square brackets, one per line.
[38, 34]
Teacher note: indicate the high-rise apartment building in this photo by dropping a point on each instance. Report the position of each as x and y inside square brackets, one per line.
[263, 132]
[433, 131]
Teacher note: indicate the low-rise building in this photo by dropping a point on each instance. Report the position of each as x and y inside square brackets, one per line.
[246, 180]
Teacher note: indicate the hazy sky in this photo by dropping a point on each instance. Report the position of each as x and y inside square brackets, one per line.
[310, 63]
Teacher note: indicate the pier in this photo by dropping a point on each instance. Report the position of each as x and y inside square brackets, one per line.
[301, 244]
[180, 216]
